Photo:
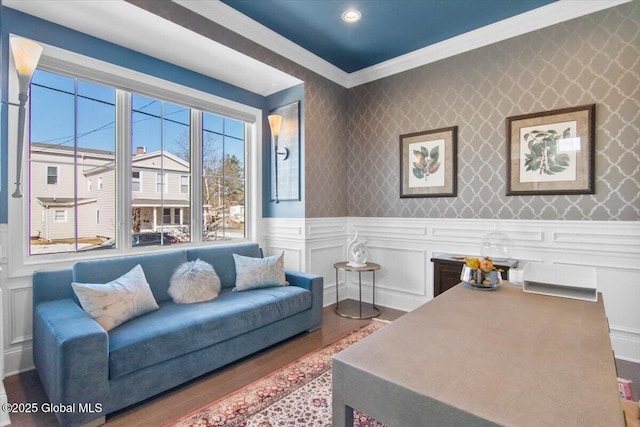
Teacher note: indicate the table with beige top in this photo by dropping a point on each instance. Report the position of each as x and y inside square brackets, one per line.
[473, 357]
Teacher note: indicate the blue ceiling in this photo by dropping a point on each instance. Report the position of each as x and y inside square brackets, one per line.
[388, 28]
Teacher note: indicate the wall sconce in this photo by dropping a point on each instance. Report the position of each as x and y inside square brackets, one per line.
[275, 122]
[26, 55]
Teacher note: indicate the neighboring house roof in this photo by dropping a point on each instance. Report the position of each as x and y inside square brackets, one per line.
[146, 156]
[63, 202]
[43, 148]
[167, 203]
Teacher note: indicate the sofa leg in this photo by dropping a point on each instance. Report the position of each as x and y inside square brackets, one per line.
[95, 423]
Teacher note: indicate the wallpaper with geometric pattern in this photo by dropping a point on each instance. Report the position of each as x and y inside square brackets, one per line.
[593, 59]
[351, 136]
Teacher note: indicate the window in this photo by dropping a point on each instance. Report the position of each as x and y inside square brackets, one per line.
[75, 139]
[184, 184]
[136, 184]
[160, 182]
[60, 215]
[52, 175]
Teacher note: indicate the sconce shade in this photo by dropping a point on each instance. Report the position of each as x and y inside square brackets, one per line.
[26, 55]
[275, 121]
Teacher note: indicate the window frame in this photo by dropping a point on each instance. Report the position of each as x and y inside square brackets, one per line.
[46, 174]
[139, 181]
[64, 215]
[127, 81]
[183, 185]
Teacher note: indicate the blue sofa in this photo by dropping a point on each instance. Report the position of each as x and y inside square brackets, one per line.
[90, 372]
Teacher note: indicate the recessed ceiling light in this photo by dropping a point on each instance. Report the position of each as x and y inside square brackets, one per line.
[351, 15]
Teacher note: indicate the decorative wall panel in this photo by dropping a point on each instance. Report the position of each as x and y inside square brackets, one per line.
[593, 59]
[405, 280]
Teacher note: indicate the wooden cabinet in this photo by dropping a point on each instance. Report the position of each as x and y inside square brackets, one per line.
[447, 268]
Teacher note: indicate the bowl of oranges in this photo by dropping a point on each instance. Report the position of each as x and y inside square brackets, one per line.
[480, 273]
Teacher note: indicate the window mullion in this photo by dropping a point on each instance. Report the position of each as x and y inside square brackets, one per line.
[197, 208]
[123, 168]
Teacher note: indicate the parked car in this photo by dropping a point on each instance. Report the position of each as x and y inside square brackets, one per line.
[150, 239]
[107, 244]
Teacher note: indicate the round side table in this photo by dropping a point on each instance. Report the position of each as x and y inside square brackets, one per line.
[372, 309]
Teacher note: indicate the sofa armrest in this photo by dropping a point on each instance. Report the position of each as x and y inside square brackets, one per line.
[315, 284]
[71, 354]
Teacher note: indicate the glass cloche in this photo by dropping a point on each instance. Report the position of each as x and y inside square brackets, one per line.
[497, 246]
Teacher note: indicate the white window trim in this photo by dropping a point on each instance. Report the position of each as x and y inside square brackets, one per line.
[71, 63]
[55, 212]
[165, 182]
[46, 174]
[139, 181]
[188, 186]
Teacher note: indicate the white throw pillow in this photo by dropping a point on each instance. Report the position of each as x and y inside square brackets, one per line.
[253, 273]
[194, 281]
[111, 304]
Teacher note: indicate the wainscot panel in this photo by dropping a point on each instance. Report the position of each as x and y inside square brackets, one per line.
[404, 248]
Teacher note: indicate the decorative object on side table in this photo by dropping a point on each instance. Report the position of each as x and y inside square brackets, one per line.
[480, 273]
[357, 252]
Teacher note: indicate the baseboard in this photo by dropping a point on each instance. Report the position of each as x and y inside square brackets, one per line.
[18, 359]
[625, 343]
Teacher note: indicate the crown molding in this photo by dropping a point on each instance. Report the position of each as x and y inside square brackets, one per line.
[551, 14]
[235, 21]
[157, 37]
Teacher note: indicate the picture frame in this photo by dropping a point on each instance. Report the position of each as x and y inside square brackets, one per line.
[289, 155]
[551, 152]
[428, 163]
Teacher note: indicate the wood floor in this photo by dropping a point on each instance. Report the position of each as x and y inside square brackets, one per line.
[174, 404]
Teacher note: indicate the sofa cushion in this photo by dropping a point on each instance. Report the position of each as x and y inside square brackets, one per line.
[254, 273]
[194, 281]
[178, 329]
[158, 269]
[221, 258]
[115, 302]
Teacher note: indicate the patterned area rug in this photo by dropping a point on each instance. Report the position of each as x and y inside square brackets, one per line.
[297, 395]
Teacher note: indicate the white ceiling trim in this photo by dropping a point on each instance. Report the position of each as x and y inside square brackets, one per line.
[137, 29]
[533, 20]
[536, 19]
[235, 21]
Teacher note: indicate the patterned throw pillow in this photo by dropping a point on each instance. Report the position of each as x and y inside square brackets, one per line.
[254, 273]
[194, 281]
[122, 299]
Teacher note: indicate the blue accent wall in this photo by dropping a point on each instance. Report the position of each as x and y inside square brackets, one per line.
[28, 26]
[286, 208]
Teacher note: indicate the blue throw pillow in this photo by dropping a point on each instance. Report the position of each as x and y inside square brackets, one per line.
[255, 273]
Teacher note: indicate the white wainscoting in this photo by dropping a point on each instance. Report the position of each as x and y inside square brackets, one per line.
[404, 248]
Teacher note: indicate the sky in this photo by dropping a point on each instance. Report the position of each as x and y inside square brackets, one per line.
[156, 124]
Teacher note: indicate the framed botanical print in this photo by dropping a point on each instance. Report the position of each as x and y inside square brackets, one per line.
[428, 163]
[552, 152]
